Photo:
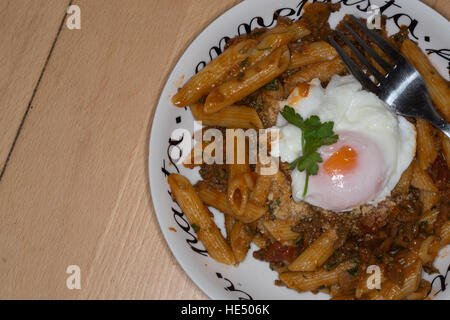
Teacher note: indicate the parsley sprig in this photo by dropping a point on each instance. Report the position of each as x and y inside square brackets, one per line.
[314, 135]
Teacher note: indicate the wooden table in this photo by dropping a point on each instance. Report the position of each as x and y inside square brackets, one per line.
[76, 108]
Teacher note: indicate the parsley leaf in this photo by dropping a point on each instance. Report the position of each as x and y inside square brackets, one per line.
[195, 227]
[244, 62]
[273, 85]
[315, 134]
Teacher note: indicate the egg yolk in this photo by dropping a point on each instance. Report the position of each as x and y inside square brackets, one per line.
[342, 161]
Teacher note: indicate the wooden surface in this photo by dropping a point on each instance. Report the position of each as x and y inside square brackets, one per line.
[76, 108]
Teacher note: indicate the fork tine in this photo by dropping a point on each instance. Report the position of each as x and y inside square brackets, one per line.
[353, 68]
[362, 58]
[385, 65]
[390, 51]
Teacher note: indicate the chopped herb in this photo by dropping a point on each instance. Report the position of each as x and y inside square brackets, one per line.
[353, 271]
[315, 134]
[299, 240]
[244, 62]
[253, 125]
[255, 34]
[195, 227]
[399, 37]
[273, 85]
[240, 76]
[423, 224]
[264, 49]
[432, 72]
[355, 260]
[275, 204]
[332, 266]
[305, 276]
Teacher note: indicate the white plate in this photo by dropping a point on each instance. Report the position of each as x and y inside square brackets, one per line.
[253, 279]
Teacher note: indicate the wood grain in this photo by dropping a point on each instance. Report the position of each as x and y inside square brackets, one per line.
[76, 187]
[27, 31]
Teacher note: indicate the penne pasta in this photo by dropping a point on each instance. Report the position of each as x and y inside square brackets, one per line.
[312, 53]
[428, 199]
[213, 74]
[228, 117]
[405, 180]
[267, 46]
[445, 234]
[197, 214]
[426, 149]
[254, 78]
[410, 283]
[322, 71]
[427, 249]
[422, 180]
[437, 87]
[428, 219]
[261, 190]
[281, 230]
[259, 241]
[218, 200]
[307, 281]
[240, 238]
[421, 293]
[229, 222]
[317, 253]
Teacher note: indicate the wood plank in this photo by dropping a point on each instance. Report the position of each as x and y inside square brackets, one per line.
[27, 31]
[441, 6]
[77, 190]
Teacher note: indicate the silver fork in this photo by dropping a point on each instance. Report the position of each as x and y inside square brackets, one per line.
[402, 88]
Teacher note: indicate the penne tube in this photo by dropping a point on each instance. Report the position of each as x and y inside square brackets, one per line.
[259, 241]
[229, 117]
[323, 71]
[405, 181]
[267, 46]
[281, 230]
[238, 194]
[445, 234]
[218, 200]
[317, 253]
[213, 74]
[426, 149]
[307, 281]
[261, 191]
[197, 214]
[427, 249]
[240, 238]
[421, 293]
[428, 199]
[298, 29]
[422, 180]
[437, 87]
[428, 219]
[229, 222]
[394, 291]
[254, 78]
[312, 53]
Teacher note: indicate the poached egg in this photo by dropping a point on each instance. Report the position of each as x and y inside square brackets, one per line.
[375, 146]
